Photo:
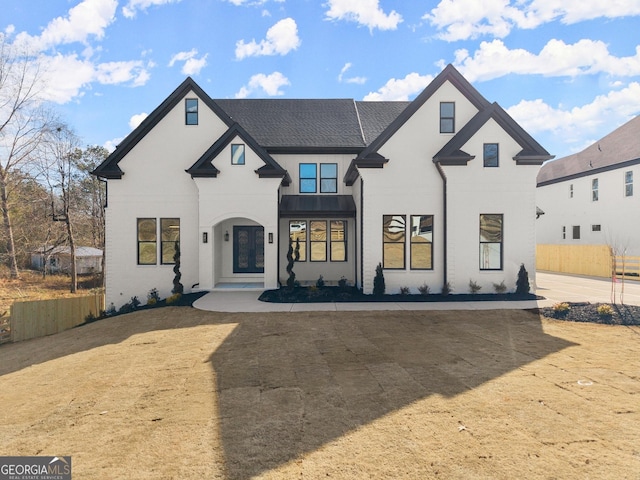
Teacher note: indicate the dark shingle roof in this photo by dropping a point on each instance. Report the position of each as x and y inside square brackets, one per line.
[618, 149]
[376, 116]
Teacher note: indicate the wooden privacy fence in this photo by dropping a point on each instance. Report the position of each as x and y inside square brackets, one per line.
[591, 260]
[46, 317]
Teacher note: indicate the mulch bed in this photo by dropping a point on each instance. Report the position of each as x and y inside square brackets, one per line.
[351, 294]
[587, 312]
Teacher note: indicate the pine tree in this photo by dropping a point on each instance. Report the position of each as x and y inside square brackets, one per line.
[378, 282]
[522, 284]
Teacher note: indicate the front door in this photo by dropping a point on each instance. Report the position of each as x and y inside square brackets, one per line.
[248, 249]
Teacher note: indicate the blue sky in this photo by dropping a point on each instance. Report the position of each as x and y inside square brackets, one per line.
[567, 70]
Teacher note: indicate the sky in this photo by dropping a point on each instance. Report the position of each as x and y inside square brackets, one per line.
[568, 71]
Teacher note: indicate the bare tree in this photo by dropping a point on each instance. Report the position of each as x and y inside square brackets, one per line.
[21, 127]
[59, 155]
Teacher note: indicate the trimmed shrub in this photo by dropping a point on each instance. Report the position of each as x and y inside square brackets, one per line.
[378, 282]
[522, 284]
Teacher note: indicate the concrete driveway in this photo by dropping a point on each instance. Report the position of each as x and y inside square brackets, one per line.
[553, 287]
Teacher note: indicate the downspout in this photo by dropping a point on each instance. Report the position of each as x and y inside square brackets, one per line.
[361, 235]
[444, 221]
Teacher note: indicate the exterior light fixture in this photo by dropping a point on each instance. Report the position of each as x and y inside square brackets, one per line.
[226, 236]
[205, 237]
[270, 237]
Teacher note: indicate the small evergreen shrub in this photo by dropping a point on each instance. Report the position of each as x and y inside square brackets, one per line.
[378, 282]
[342, 283]
[177, 286]
[320, 282]
[474, 287]
[446, 289]
[111, 310]
[424, 289]
[153, 297]
[522, 284]
[405, 290]
[561, 309]
[173, 298]
[500, 287]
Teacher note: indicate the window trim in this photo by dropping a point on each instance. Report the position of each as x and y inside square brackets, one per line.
[234, 148]
[485, 162]
[329, 178]
[312, 241]
[139, 220]
[452, 118]
[163, 242]
[628, 184]
[189, 115]
[412, 243]
[501, 242]
[594, 189]
[314, 178]
[343, 241]
[403, 242]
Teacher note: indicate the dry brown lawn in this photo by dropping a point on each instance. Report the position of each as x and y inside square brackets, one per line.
[176, 393]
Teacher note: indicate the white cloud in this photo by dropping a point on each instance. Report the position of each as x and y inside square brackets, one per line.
[280, 40]
[132, 7]
[356, 80]
[192, 65]
[402, 89]
[269, 84]
[66, 75]
[585, 57]
[137, 119]
[577, 124]
[111, 145]
[464, 19]
[363, 12]
[88, 18]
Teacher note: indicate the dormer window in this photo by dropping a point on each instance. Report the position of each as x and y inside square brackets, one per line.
[191, 111]
[447, 117]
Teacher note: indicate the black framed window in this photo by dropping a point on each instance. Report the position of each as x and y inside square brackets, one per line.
[628, 183]
[571, 190]
[447, 117]
[491, 241]
[564, 233]
[594, 190]
[169, 237]
[191, 111]
[576, 232]
[318, 240]
[596, 228]
[328, 178]
[393, 240]
[237, 154]
[338, 248]
[421, 242]
[147, 241]
[490, 154]
[298, 235]
[308, 178]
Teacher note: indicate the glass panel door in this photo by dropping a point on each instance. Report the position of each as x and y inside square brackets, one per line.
[248, 249]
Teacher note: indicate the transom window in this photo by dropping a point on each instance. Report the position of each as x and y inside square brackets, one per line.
[628, 183]
[308, 177]
[191, 111]
[490, 154]
[393, 240]
[447, 117]
[491, 235]
[237, 154]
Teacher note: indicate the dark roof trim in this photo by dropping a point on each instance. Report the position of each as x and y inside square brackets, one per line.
[205, 168]
[532, 152]
[375, 160]
[109, 168]
[595, 171]
[328, 206]
[458, 157]
[448, 74]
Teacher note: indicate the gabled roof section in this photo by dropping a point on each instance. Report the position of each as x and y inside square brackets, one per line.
[532, 152]
[205, 168]
[618, 149]
[110, 169]
[448, 74]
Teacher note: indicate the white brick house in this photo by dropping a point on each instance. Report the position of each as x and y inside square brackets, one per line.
[439, 190]
[589, 197]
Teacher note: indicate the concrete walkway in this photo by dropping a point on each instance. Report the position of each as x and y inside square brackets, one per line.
[553, 287]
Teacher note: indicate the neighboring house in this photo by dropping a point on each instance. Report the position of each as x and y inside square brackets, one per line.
[58, 260]
[439, 190]
[589, 198]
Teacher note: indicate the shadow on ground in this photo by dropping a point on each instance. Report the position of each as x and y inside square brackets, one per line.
[289, 384]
